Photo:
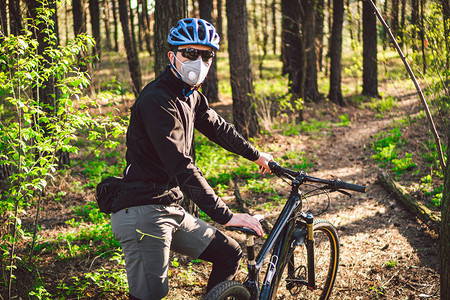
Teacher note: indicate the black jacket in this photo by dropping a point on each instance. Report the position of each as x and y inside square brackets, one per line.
[159, 141]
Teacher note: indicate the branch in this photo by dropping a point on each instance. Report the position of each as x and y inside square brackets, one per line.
[419, 90]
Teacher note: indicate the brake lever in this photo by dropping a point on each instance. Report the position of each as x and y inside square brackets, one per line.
[345, 193]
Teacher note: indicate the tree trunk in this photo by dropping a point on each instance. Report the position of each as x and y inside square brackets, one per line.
[318, 31]
[219, 23]
[370, 69]
[78, 17]
[446, 15]
[15, 17]
[336, 53]
[274, 26]
[106, 21]
[415, 21]
[445, 229]
[401, 30]
[3, 19]
[210, 86]
[422, 35]
[384, 35]
[293, 48]
[244, 115]
[394, 18]
[116, 26]
[146, 24]
[167, 13]
[94, 10]
[132, 26]
[132, 56]
[311, 87]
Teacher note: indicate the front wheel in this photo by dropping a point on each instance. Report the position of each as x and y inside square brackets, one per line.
[326, 254]
[228, 290]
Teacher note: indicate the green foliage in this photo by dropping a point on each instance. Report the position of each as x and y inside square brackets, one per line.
[385, 146]
[38, 128]
[382, 105]
[218, 165]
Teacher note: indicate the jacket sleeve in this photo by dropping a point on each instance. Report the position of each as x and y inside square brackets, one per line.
[221, 132]
[166, 132]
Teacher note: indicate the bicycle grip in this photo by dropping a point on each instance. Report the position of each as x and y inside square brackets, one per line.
[350, 186]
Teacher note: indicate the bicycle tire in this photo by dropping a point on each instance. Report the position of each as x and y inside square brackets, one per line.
[326, 254]
[228, 290]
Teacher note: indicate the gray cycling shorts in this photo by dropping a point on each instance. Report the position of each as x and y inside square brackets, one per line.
[146, 234]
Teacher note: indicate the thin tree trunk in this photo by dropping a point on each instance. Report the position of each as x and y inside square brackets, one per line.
[146, 23]
[370, 68]
[244, 115]
[94, 10]
[132, 26]
[293, 48]
[116, 26]
[335, 94]
[15, 17]
[3, 19]
[384, 36]
[318, 28]
[445, 229]
[106, 21]
[210, 86]
[274, 26]
[219, 23]
[446, 15]
[132, 57]
[167, 13]
[401, 30]
[394, 18]
[311, 87]
[422, 35]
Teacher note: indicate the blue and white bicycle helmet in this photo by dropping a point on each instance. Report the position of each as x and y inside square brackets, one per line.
[194, 31]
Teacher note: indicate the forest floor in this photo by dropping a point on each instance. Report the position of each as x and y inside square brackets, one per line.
[386, 252]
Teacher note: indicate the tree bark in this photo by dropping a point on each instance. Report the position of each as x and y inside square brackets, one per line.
[244, 114]
[446, 15]
[274, 26]
[132, 56]
[146, 25]
[293, 48]
[318, 31]
[422, 35]
[167, 13]
[394, 18]
[311, 87]
[116, 25]
[445, 228]
[15, 17]
[335, 51]
[3, 19]
[106, 21]
[219, 23]
[210, 86]
[370, 68]
[79, 17]
[94, 10]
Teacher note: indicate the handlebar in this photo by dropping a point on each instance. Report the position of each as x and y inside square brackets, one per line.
[301, 176]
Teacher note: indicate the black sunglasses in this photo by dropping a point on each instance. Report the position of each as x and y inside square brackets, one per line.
[193, 54]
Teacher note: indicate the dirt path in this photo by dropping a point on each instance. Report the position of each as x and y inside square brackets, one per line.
[386, 252]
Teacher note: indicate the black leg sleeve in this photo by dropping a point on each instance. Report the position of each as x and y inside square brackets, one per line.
[225, 254]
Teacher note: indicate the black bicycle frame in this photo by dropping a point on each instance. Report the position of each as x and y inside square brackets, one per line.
[279, 240]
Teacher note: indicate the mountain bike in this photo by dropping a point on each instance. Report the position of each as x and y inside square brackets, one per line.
[308, 246]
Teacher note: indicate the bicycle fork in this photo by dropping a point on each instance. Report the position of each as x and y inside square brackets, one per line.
[309, 219]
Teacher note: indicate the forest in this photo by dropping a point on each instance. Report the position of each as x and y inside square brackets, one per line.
[351, 89]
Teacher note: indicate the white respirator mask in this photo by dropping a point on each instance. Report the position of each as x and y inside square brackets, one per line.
[192, 72]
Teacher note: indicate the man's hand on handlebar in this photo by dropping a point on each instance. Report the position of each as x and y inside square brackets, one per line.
[263, 162]
[245, 220]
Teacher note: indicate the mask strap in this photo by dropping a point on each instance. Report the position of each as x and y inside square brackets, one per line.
[172, 65]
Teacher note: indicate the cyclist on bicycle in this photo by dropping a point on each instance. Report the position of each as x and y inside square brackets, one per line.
[147, 219]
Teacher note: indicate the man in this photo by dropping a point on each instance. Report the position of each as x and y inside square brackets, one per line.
[147, 219]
